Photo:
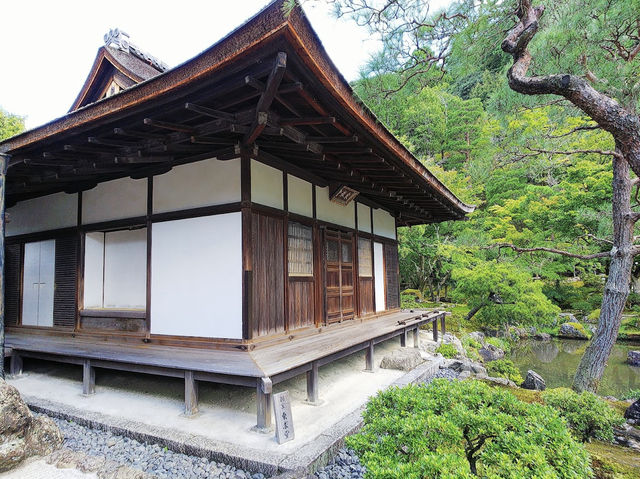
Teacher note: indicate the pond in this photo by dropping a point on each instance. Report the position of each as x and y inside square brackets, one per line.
[557, 360]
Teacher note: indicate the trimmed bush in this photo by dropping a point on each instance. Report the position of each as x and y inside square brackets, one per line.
[464, 429]
[504, 368]
[630, 394]
[449, 351]
[468, 341]
[588, 416]
[500, 343]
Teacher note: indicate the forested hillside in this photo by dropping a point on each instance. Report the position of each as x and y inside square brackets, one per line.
[518, 160]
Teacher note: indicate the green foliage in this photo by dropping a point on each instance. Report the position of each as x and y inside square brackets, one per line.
[504, 368]
[10, 124]
[417, 432]
[468, 341]
[589, 416]
[580, 327]
[500, 343]
[630, 394]
[594, 315]
[449, 351]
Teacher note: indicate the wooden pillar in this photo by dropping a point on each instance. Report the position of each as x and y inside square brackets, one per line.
[88, 378]
[16, 364]
[369, 357]
[247, 245]
[312, 383]
[435, 330]
[403, 338]
[442, 328]
[264, 388]
[416, 337]
[4, 162]
[190, 394]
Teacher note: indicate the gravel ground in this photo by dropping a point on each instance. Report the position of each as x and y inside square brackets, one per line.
[150, 458]
[346, 464]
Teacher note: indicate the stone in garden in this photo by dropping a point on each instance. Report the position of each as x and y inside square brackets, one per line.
[489, 352]
[478, 336]
[23, 435]
[449, 338]
[567, 318]
[633, 411]
[465, 365]
[534, 381]
[570, 330]
[543, 337]
[633, 358]
[404, 359]
[501, 381]
[519, 333]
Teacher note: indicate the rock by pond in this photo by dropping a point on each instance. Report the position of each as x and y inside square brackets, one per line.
[489, 353]
[534, 381]
[573, 330]
[633, 411]
[633, 358]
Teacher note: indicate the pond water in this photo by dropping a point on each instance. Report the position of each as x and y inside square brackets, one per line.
[557, 360]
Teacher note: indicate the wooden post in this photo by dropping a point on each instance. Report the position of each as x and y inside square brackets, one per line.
[4, 161]
[403, 338]
[16, 364]
[88, 378]
[190, 394]
[264, 388]
[442, 324]
[435, 330]
[369, 357]
[416, 337]
[312, 383]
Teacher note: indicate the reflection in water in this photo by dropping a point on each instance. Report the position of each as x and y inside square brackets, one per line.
[557, 360]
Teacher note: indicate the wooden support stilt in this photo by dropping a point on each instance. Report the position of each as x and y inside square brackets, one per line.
[4, 162]
[263, 390]
[435, 330]
[88, 378]
[369, 357]
[442, 328]
[416, 338]
[16, 364]
[190, 394]
[403, 338]
[312, 383]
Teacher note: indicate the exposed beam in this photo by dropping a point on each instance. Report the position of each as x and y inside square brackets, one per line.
[277, 162]
[203, 110]
[169, 126]
[113, 143]
[126, 160]
[139, 134]
[333, 139]
[310, 120]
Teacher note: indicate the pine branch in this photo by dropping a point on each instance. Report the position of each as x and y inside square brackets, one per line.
[576, 152]
[574, 130]
[517, 249]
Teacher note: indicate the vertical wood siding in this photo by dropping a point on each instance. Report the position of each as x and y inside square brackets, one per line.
[64, 297]
[392, 273]
[12, 262]
[301, 304]
[366, 296]
[268, 275]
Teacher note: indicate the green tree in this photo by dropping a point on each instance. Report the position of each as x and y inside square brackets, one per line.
[10, 124]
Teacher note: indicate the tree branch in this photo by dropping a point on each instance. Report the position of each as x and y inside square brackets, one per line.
[573, 130]
[576, 152]
[517, 249]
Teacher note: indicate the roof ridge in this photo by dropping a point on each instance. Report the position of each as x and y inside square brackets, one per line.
[119, 39]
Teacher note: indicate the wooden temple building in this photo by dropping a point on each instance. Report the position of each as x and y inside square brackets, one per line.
[232, 219]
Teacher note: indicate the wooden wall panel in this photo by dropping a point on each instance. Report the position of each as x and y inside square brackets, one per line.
[392, 273]
[12, 275]
[301, 304]
[66, 276]
[268, 274]
[366, 296]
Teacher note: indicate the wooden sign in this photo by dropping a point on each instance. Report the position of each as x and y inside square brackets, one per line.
[284, 420]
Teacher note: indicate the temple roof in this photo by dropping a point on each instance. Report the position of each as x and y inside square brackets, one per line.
[267, 89]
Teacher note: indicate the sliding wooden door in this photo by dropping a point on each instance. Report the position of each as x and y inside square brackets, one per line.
[339, 292]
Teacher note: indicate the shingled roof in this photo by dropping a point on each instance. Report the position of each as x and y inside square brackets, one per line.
[267, 89]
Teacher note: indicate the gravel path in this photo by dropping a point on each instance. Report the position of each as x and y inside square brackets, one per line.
[150, 458]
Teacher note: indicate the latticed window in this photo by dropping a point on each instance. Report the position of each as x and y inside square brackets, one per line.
[365, 263]
[300, 241]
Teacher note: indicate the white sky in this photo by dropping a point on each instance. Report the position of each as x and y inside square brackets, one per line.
[47, 47]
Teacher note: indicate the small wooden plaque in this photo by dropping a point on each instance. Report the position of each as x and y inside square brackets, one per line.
[284, 420]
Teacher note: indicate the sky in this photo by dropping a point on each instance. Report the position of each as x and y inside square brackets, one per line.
[47, 47]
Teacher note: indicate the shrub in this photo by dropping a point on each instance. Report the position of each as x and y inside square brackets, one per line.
[630, 394]
[500, 343]
[468, 341]
[504, 368]
[594, 315]
[414, 292]
[464, 429]
[408, 301]
[589, 416]
[449, 351]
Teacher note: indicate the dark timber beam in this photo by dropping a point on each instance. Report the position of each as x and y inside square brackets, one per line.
[312, 120]
[369, 357]
[88, 378]
[205, 111]
[312, 384]
[264, 388]
[169, 126]
[190, 394]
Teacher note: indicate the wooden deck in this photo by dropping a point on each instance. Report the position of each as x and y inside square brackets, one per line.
[260, 367]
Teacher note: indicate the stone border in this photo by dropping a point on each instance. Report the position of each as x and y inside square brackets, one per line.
[307, 459]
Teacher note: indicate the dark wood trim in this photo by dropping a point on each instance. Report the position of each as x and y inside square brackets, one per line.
[19, 320]
[196, 212]
[79, 265]
[285, 249]
[41, 235]
[313, 202]
[285, 191]
[356, 264]
[247, 253]
[113, 225]
[302, 279]
[373, 232]
[113, 313]
[149, 251]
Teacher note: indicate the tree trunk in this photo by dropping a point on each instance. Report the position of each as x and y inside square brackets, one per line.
[616, 289]
[473, 311]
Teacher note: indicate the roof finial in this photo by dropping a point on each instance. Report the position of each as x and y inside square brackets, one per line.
[117, 38]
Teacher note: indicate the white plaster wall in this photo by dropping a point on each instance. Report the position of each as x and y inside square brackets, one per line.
[333, 212]
[93, 269]
[113, 200]
[59, 210]
[364, 218]
[196, 279]
[384, 224]
[204, 183]
[378, 268]
[266, 185]
[300, 199]
[125, 269]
